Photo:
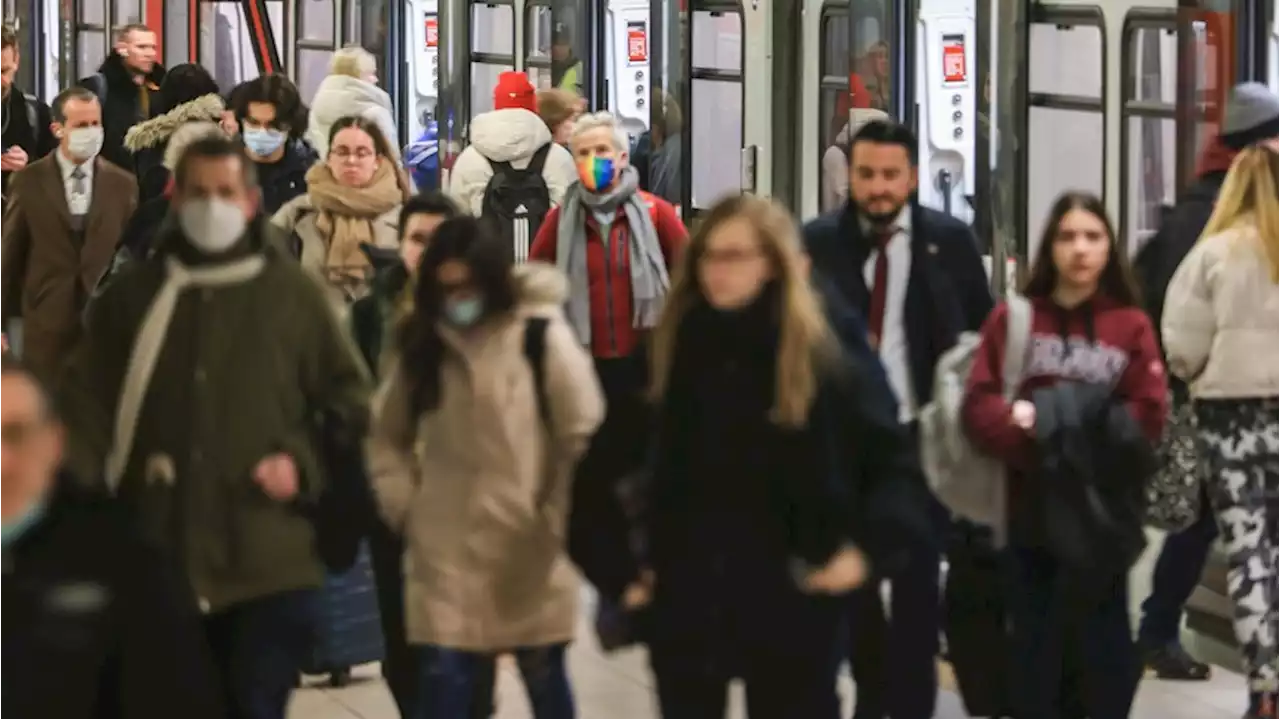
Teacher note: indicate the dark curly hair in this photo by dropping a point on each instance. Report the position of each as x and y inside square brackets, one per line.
[182, 84]
[279, 92]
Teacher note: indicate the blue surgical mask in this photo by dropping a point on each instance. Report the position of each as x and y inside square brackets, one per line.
[464, 312]
[262, 141]
[13, 530]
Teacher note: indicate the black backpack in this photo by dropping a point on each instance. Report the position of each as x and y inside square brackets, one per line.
[516, 202]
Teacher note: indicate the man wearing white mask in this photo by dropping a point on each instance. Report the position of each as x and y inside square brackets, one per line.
[67, 212]
[197, 395]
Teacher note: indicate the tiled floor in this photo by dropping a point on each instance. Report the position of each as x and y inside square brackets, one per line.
[617, 686]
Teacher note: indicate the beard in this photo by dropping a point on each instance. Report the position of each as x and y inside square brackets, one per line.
[882, 219]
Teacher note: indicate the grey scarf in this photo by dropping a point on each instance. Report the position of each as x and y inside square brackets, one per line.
[649, 280]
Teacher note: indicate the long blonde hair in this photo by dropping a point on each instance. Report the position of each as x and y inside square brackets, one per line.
[806, 345]
[1249, 196]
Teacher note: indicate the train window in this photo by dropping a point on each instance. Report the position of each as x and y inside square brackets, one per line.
[651, 49]
[716, 92]
[226, 49]
[126, 12]
[177, 39]
[1273, 49]
[871, 62]
[315, 20]
[539, 27]
[313, 67]
[493, 29]
[93, 12]
[1148, 127]
[91, 50]
[493, 39]
[1066, 129]
[834, 102]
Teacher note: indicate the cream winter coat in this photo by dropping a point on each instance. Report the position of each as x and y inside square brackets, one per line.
[297, 217]
[342, 96]
[510, 135]
[480, 488]
[1221, 320]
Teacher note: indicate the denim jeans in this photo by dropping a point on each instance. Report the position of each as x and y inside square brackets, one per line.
[447, 678]
[259, 647]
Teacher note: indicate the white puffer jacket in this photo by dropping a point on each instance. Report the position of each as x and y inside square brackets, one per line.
[342, 96]
[510, 135]
[1221, 321]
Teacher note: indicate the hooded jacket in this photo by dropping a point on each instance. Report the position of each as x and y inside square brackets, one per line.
[342, 96]
[245, 371]
[1222, 324]
[157, 144]
[510, 135]
[479, 486]
[126, 104]
[146, 220]
[1099, 342]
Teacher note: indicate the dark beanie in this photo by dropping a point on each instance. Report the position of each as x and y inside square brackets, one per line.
[1252, 115]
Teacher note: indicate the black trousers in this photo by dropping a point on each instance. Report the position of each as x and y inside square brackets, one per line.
[400, 667]
[1072, 657]
[776, 687]
[893, 658]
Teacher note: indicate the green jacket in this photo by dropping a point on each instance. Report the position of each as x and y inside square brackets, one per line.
[245, 372]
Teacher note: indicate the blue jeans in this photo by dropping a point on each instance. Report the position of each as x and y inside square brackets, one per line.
[447, 677]
[259, 647]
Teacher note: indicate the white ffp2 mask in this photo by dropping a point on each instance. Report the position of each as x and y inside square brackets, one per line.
[213, 225]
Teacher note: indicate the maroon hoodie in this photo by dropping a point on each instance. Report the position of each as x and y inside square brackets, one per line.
[1107, 342]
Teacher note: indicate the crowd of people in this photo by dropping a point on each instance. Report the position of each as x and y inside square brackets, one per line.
[253, 357]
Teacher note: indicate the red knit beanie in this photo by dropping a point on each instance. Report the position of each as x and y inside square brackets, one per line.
[514, 90]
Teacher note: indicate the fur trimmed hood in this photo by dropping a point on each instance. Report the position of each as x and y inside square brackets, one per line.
[158, 130]
[539, 286]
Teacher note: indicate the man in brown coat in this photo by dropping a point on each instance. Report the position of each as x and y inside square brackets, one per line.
[61, 227]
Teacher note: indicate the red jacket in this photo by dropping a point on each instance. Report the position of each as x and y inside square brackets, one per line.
[609, 284]
[1123, 353]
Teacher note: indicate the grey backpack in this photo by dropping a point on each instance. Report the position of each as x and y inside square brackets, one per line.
[969, 483]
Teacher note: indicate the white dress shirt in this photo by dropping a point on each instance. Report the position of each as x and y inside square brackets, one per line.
[77, 202]
[893, 342]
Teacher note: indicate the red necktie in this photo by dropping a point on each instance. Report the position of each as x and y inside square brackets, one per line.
[879, 287]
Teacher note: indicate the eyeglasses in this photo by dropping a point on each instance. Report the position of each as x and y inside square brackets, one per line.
[730, 257]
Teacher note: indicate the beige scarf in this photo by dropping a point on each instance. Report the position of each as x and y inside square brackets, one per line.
[150, 340]
[346, 215]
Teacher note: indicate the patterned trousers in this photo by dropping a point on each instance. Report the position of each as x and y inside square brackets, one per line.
[1242, 444]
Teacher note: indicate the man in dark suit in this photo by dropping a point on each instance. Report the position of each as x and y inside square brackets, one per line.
[916, 276]
[64, 218]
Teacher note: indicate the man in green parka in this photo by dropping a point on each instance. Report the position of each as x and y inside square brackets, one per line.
[197, 395]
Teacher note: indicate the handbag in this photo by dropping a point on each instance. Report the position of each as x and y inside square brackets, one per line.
[1173, 492]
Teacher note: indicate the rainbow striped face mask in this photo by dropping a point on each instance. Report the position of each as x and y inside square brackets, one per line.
[596, 173]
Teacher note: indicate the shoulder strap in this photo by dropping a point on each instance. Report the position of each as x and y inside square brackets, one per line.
[535, 346]
[1017, 336]
[500, 168]
[539, 159]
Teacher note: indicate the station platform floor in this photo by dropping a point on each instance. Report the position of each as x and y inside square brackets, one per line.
[618, 686]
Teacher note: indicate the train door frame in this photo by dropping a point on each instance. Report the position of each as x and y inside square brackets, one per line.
[1133, 106]
[753, 165]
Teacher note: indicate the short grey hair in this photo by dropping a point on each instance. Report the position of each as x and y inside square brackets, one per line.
[595, 120]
